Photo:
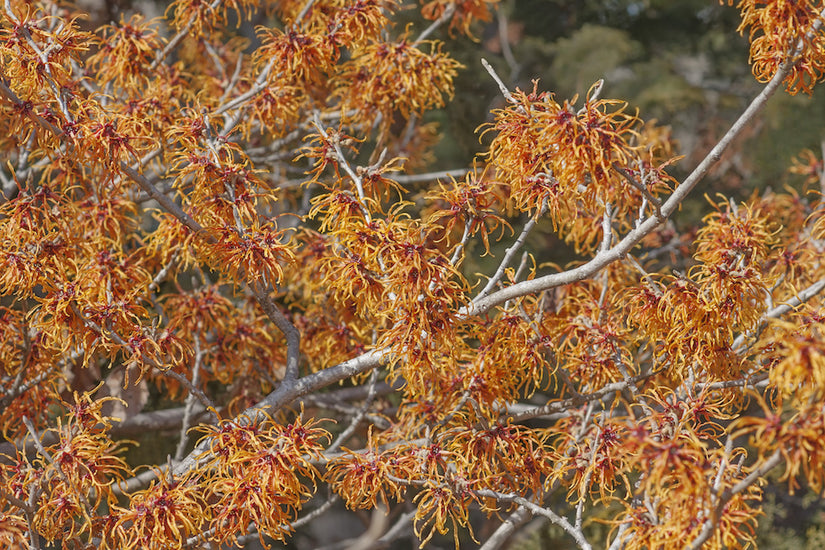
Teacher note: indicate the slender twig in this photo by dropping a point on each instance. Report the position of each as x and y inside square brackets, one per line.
[258, 87]
[618, 541]
[395, 532]
[429, 176]
[584, 488]
[320, 510]
[752, 381]
[522, 265]
[161, 275]
[504, 42]
[45, 454]
[233, 80]
[353, 425]
[168, 204]
[190, 400]
[538, 510]
[509, 254]
[777, 311]
[173, 43]
[342, 160]
[448, 12]
[801, 297]
[578, 400]
[34, 538]
[216, 60]
[657, 204]
[459, 248]
[7, 92]
[302, 13]
[19, 389]
[504, 91]
[137, 482]
[516, 276]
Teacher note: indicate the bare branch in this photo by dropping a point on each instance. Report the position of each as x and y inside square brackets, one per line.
[342, 437]
[45, 454]
[448, 13]
[178, 38]
[657, 204]
[556, 407]
[428, 176]
[293, 336]
[504, 91]
[710, 524]
[537, 510]
[504, 531]
[509, 254]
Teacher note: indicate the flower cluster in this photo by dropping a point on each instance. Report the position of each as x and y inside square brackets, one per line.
[786, 31]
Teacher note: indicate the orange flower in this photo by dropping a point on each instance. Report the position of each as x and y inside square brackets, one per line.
[465, 12]
[125, 52]
[441, 508]
[255, 256]
[473, 205]
[162, 516]
[13, 531]
[388, 77]
[579, 162]
[361, 478]
[302, 59]
[203, 17]
[261, 475]
[783, 31]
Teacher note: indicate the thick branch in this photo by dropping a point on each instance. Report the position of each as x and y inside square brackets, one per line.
[578, 400]
[290, 391]
[501, 535]
[293, 336]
